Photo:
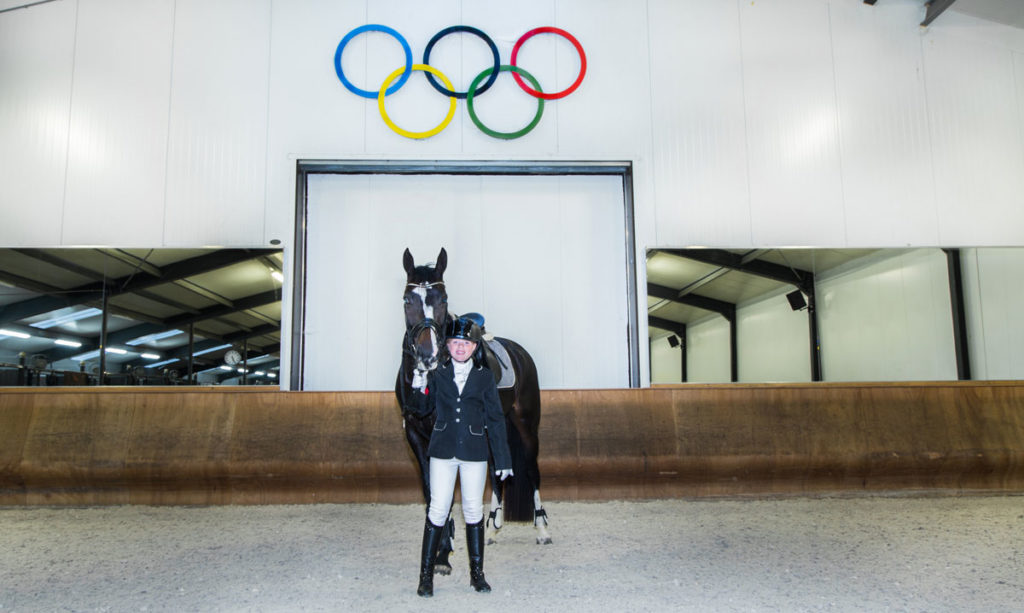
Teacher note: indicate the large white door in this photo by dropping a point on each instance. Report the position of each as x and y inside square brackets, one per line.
[543, 258]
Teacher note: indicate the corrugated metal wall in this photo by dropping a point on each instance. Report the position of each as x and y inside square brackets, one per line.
[791, 122]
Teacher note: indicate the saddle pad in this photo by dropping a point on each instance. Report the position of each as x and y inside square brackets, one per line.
[508, 376]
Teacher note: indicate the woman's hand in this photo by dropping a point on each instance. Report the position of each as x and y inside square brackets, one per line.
[504, 473]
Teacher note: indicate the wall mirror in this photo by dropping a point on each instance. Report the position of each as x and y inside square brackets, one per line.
[109, 316]
[801, 315]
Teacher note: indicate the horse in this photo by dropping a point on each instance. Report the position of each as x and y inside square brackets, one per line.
[423, 348]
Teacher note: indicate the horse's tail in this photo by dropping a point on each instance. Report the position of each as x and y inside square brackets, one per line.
[518, 499]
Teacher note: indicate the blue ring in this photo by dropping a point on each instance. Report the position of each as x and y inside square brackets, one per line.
[372, 28]
[469, 30]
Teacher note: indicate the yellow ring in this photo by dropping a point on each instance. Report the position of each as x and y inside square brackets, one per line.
[383, 91]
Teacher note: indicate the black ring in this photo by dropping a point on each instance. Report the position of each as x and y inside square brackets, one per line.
[471, 30]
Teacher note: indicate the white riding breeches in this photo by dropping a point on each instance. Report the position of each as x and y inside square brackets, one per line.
[472, 475]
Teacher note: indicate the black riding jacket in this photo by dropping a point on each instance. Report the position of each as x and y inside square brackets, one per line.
[465, 422]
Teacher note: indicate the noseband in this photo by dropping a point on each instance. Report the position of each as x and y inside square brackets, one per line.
[416, 330]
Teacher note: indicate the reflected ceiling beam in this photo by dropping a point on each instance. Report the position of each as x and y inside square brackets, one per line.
[935, 8]
[132, 283]
[674, 327]
[725, 309]
[747, 263]
[132, 260]
[98, 276]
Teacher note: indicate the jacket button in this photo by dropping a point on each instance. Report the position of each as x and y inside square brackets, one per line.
[457, 420]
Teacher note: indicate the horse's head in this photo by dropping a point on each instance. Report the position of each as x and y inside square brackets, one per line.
[426, 310]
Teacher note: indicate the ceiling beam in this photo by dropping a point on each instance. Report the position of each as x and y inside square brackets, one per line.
[725, 309]
[803, 279]
[133, 283]
[667, 324]
[935, 8]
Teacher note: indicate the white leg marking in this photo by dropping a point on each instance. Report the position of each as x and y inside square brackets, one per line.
[540, 523]
[494, 524]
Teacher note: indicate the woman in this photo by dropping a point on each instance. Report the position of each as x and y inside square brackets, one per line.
[468, 414]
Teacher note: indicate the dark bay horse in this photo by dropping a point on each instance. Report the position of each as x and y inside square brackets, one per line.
[423, 347]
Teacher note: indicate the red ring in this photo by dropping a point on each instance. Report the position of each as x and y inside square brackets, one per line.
[579, 49]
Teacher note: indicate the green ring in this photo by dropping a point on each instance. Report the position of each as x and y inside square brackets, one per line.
[506, 135]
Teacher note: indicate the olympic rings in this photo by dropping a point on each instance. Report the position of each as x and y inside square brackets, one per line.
[571, 39]
[471, 30]
[406, 133]
[485, 129]
[372, 28]
[491, 74]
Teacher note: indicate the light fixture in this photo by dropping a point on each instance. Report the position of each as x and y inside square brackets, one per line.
[277, 276]
[151, 356]
[149, 338]
[66, 319]
[61, 341]
[271, 375]
[116, 350]
[4, 332]
[225, 367]
[164, 363]
[217, 348]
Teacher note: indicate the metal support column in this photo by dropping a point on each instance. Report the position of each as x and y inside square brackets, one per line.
[956, 302]
[103, 337]
[191, 352]
[734, 364]
[812, 324]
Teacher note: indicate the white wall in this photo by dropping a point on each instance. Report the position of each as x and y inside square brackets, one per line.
[707, 351]
[994, 295]
[773, 341]
[543, 258]
[666, 361]
[750, 124]
[885, 317]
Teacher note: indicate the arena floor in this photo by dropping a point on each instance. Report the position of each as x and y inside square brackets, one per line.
[895, 553]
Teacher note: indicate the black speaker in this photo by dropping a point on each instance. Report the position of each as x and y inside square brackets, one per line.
[673, 340]
[796, 300]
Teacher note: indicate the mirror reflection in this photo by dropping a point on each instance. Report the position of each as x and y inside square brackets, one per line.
[108, 316]
[801, 315]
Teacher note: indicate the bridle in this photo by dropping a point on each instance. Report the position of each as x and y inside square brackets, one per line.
[418, 328]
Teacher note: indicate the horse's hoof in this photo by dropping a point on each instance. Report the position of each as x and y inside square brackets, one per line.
[442, 569]
[544, 541]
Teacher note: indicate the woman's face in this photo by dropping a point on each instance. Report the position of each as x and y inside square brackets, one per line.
[461, 349]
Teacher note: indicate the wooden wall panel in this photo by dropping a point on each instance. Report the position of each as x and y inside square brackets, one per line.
[221, 446]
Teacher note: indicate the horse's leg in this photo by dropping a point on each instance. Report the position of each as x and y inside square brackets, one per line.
[496, 518]
[442, 565]
[540, 520]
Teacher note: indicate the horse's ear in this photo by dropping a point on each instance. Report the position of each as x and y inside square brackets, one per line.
[442, 263]
[408, 262]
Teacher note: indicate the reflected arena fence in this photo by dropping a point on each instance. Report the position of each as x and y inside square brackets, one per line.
[480, 84]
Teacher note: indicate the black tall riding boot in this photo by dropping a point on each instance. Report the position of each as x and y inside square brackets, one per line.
[431, 540]
[475, 548]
